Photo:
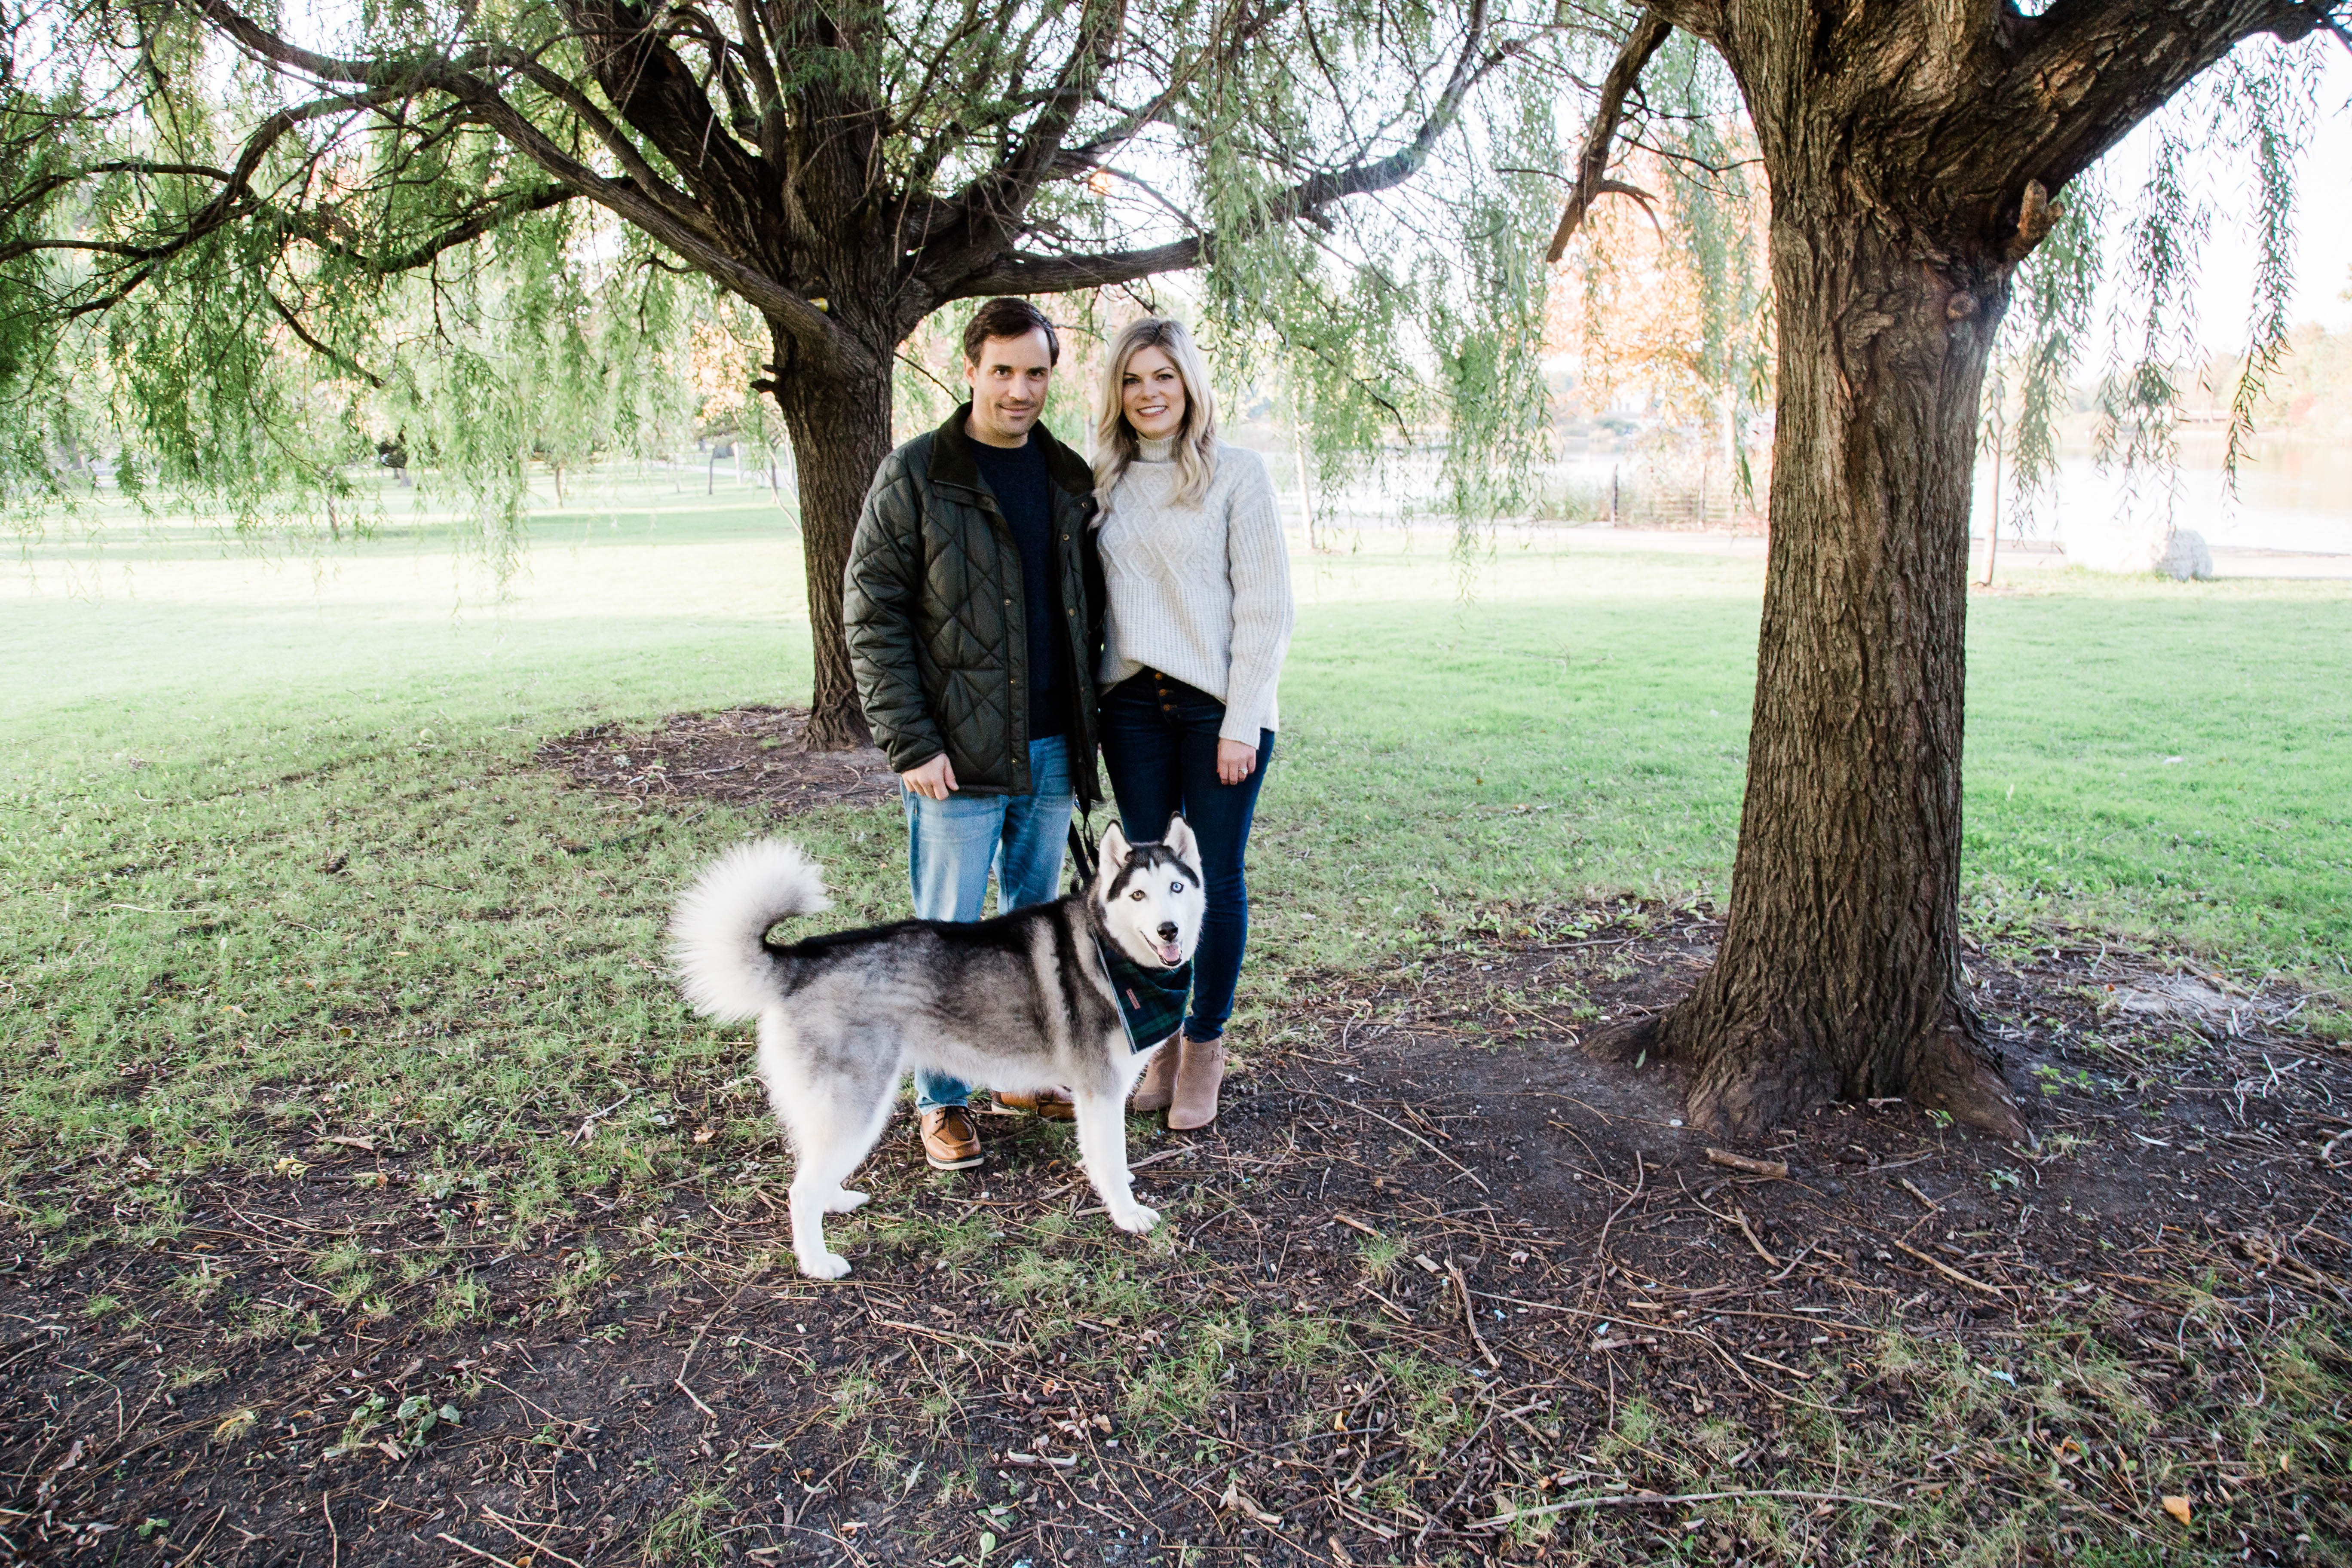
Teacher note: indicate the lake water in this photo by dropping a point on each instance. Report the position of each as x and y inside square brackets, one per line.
[2291, 495]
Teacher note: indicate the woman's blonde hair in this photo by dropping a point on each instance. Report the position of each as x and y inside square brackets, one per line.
[1116, 443]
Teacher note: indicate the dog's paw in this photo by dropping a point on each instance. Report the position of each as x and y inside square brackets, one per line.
[827, 1266]
[844, 1200]
[1137, 1220]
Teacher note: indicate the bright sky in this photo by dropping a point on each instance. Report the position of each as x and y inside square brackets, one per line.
[2225, 284]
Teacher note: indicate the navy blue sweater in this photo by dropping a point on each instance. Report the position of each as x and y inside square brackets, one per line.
[1016, 476]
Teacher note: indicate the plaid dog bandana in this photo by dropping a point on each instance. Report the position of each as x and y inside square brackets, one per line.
[1150, 1001]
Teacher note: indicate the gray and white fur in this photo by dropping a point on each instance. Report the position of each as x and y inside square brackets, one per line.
[1019, 1003]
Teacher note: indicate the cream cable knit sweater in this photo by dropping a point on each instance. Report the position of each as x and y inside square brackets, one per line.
[1199, 593]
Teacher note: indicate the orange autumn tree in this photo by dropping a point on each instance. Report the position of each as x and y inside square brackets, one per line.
[1663, 303]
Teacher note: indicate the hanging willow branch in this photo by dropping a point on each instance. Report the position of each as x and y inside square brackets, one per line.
[1591, 182]
[2275, 124]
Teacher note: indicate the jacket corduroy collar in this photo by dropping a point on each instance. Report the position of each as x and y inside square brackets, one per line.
[952, 462]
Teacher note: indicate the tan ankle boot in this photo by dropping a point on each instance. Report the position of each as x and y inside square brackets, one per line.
[1157, 1092]
[1198, 1073]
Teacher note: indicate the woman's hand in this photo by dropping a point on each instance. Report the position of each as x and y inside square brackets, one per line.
[1236, 762]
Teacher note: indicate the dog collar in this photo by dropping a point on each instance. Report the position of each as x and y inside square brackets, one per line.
[1150, 1001]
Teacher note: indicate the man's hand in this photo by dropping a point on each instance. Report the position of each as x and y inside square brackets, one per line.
[935, 780]
[1236, 762]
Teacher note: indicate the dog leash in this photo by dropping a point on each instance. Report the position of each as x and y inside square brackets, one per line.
[1082, 850]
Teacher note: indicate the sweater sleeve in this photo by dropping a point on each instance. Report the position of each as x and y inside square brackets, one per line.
[1257, 564]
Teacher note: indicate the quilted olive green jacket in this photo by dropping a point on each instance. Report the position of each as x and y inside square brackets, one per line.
[938, 631]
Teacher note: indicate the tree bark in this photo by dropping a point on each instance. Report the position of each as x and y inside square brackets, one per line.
[839, 422]
[1912, 151]
[1838, 976]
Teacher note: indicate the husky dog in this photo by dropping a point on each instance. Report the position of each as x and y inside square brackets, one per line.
[1021, 1003]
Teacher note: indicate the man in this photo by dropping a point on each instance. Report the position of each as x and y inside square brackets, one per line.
[973, 606]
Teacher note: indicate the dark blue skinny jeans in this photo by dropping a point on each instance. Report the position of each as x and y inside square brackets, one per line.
[1160, 747]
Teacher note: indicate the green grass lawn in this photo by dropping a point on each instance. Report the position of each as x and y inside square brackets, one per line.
[271, 836]
[2171, 760]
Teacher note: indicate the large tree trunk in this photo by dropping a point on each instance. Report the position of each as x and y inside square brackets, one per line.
[840, 430]
[1839, 972]
[1912, 151]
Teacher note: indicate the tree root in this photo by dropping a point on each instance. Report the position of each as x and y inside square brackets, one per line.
[1756, 1082]
[1954, 1075]
[836, 731]
[1757, 1079]
[1629, 1042]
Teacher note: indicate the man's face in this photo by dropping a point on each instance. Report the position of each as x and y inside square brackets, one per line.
[1008, 387]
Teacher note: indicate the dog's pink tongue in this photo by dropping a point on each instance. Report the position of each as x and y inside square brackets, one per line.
[1171, 954]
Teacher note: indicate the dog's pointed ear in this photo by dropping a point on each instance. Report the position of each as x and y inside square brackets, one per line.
[1113, 854]
[1182, 843]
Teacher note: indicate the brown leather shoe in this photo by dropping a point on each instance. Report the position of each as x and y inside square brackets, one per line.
[1053, 1104]
[951, 1142]
[1198, 1073]
[1157, 1089]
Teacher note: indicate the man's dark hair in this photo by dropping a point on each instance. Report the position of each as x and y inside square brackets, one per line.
[1008, 316]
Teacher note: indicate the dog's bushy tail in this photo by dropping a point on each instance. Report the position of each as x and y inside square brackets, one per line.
[716, 934]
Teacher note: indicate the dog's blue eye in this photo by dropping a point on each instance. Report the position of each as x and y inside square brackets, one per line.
[1175, 887]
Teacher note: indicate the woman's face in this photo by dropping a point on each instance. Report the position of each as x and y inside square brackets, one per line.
[1151, 391]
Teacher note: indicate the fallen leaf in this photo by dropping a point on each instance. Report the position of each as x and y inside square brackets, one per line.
[1340, 1553]
[351, 1143]
[1235, 1501]
[2178, 1507]
[73, 1457]
[702, 1135]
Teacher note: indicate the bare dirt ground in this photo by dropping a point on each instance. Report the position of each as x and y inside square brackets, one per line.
[1435, 1286]
[735, 755]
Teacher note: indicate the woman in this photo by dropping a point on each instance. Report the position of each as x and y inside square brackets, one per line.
[1198, 620]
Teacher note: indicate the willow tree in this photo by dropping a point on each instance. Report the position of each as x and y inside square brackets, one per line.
[1916, 155]
[844, 170]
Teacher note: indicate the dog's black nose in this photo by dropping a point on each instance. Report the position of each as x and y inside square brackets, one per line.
[1168, 930]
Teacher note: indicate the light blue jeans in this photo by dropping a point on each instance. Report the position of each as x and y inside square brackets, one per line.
[952, 845]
